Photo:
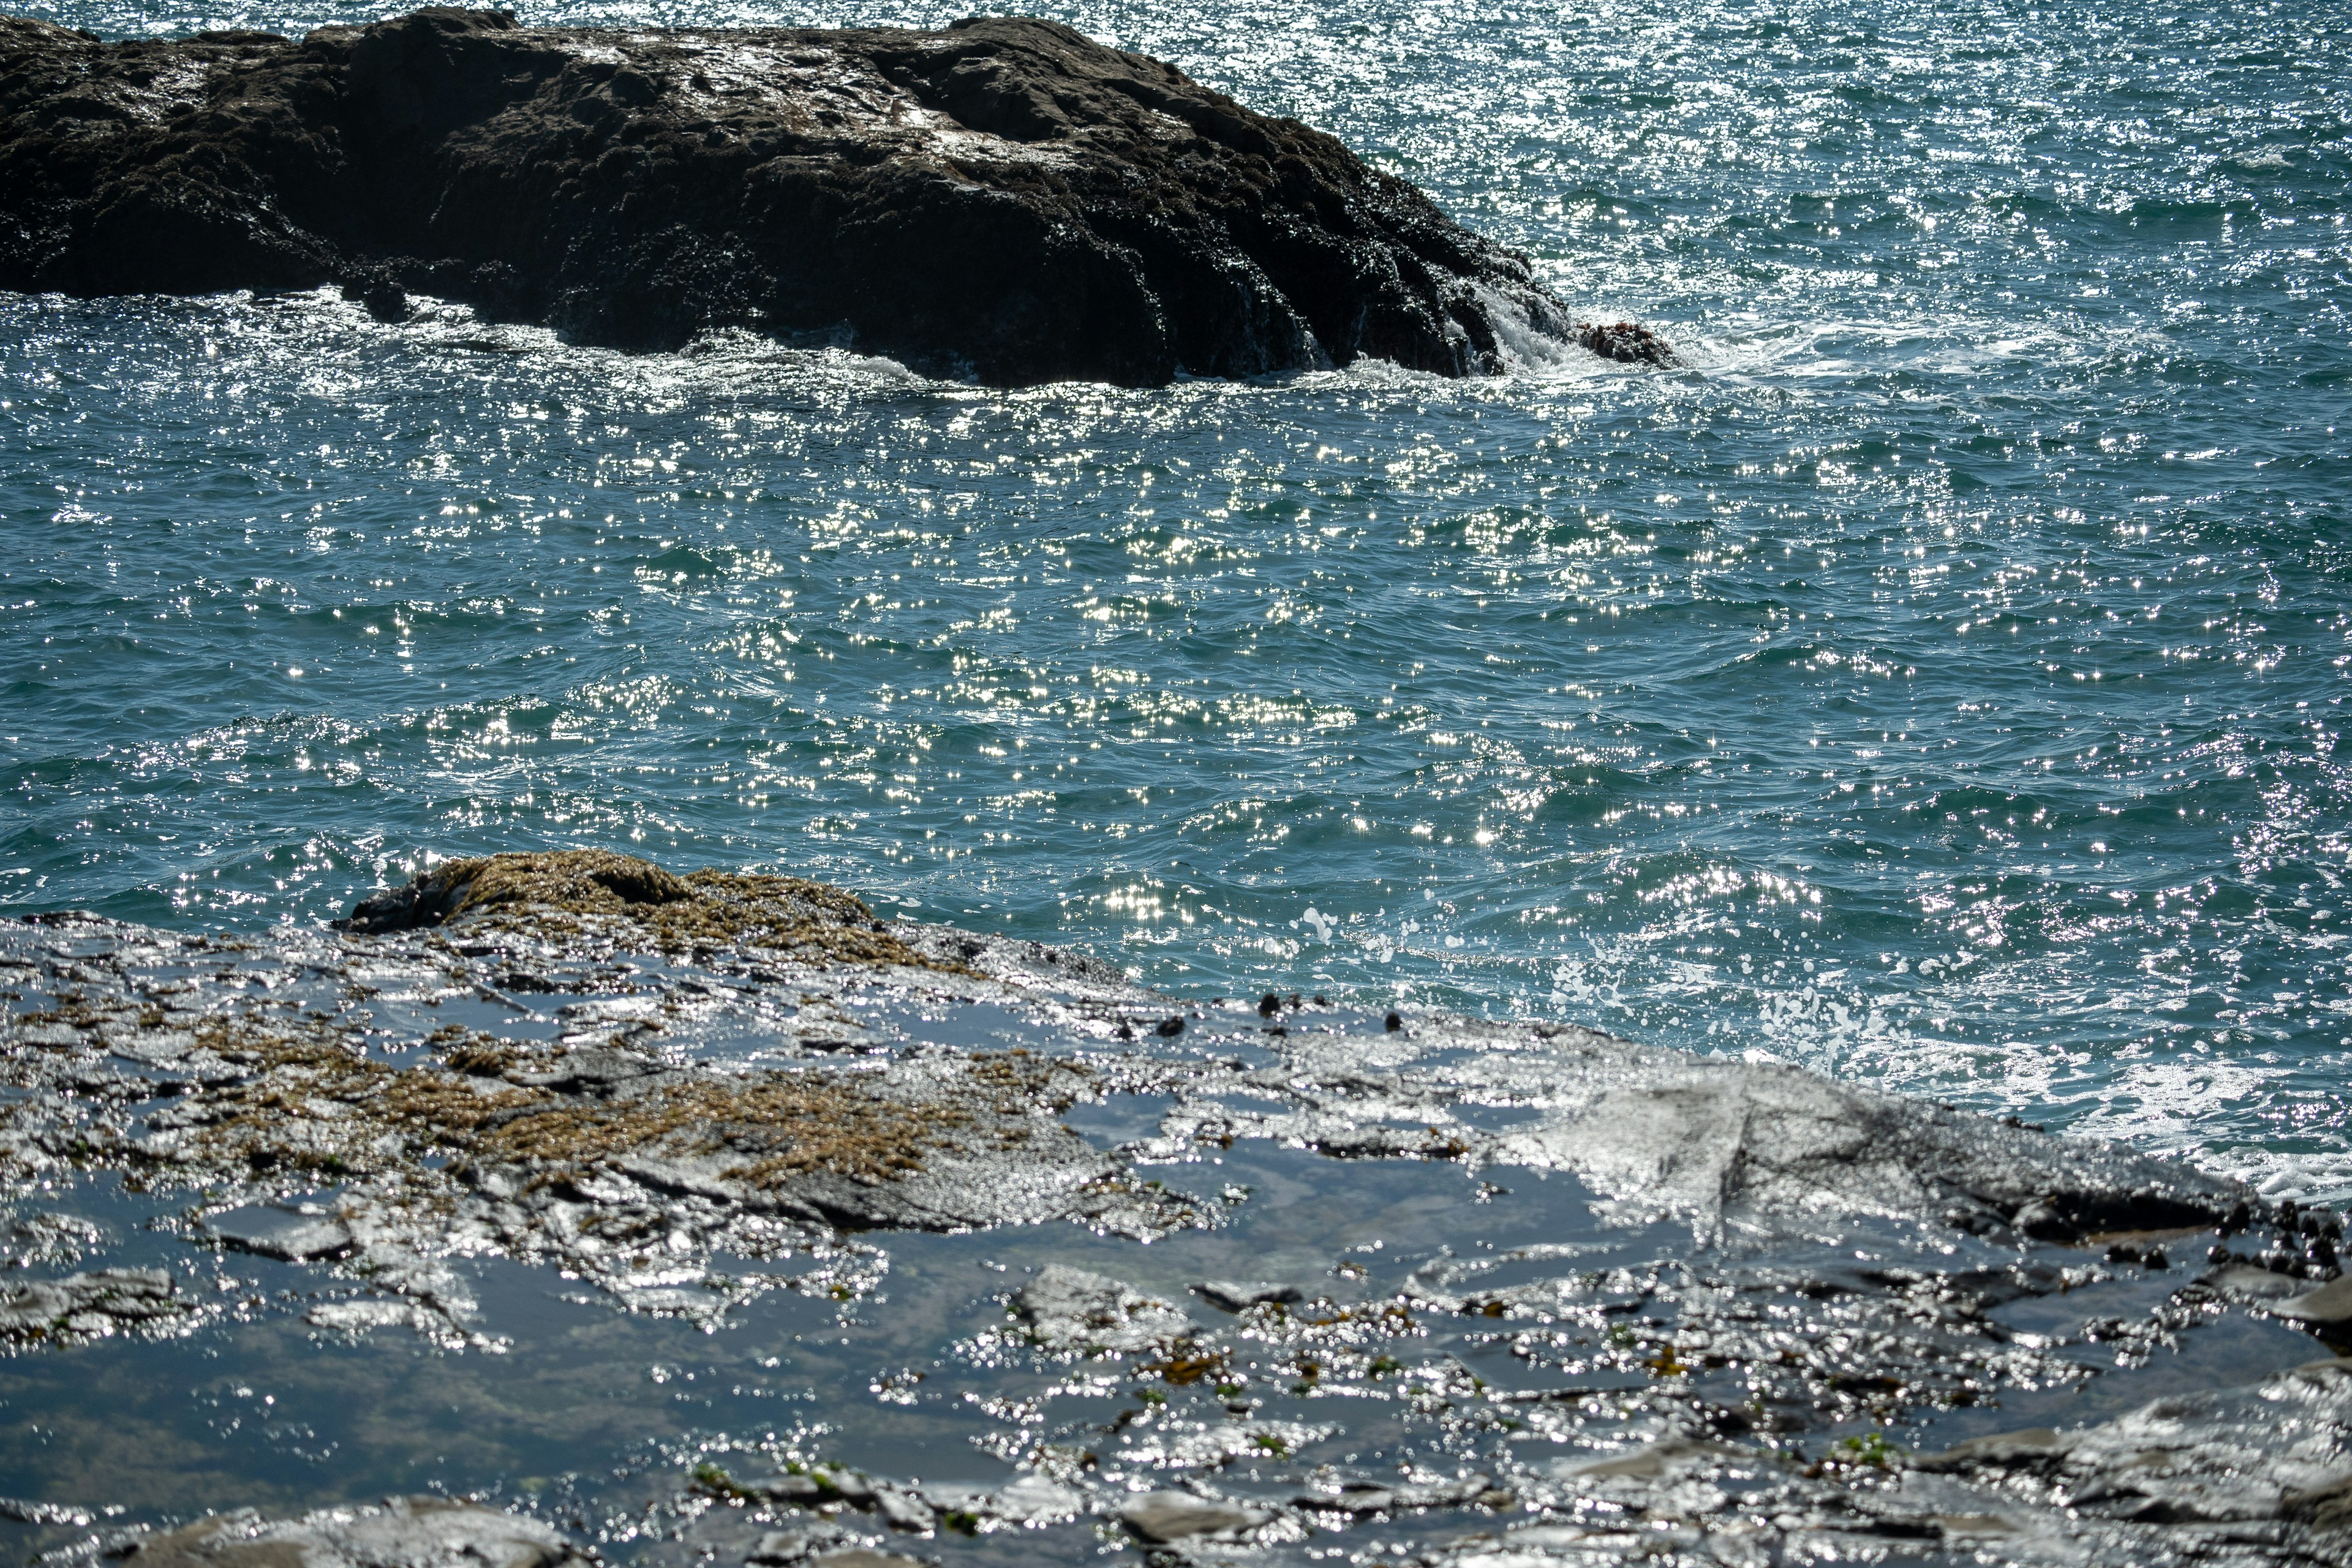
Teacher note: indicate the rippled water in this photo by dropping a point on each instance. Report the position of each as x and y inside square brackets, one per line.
[1939, 683]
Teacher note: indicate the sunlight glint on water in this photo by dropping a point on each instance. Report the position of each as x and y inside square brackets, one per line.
[1939, 684]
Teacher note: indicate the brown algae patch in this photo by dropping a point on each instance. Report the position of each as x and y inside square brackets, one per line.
[784, 1127]
[702, 911]
[313, 1104]
[316, 1106]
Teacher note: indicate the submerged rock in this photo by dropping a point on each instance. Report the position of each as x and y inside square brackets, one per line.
[1004, 198]
[291, 1236]
[2241, 1475]
[1168, 1516]
[1236, 1296]
[406, 1532]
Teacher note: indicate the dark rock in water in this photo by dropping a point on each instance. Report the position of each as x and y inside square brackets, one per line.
[1163, 1517]
[94, 1305]
[1071, 1308]
[1692, 1319]
[1628, 342]
[1239, 1296]
[290, 1237]
[1003, 198]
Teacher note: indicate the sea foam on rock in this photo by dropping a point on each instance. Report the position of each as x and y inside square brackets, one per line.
[1002, 198]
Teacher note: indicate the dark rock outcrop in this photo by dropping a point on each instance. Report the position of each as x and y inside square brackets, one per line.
[1477, 1289]
[1003, 198]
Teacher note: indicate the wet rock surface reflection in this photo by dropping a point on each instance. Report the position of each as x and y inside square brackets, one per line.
[661, 1238]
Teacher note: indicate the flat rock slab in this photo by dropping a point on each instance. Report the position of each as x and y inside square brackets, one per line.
[1237, 1296]
[289, 1235]
[408, 1532]
[1168, 1516]
[1003, 198]
[1546, 1296]
[101, 1303]
[1071, 1309]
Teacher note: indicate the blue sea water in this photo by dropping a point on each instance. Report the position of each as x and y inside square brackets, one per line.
[1939, 683]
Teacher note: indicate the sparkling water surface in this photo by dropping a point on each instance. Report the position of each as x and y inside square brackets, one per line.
[1939, 683]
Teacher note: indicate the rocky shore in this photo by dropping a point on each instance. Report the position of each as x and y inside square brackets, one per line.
[984, 1254]
[1003, 199]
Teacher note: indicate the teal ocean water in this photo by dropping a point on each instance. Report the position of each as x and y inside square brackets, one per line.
[1939, 683]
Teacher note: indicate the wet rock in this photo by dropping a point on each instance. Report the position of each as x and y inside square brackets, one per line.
[2232, 1454]
[101, 1303]
[563, 892]
[2244, 1282]
[585, 1071]
[1368, 1497]
[1034, 1500]
[1069, 1309]
[1164, 1517]
[1659, 1459]
[49, 1238]
[2331, 1303]
[1002, 198]
[361, 1316]
[26, 1512]
[1725, 1145]
[1669, 1336]
[1766, 1140]
[407, 1532]
[824, 1546]
[901, 1510]
[291, 1236]
[1628, 343]
[1233, 1296]
[2248, 1476]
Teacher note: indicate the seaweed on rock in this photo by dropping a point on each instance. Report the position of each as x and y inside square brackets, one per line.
[1634, 1301]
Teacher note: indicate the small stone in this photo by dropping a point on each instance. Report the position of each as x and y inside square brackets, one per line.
[1070, 1308]
[2331, 1303]
[407, 1532]
[290, 1236]
[795, 1488]
[900, 1511]
[1233, 1296]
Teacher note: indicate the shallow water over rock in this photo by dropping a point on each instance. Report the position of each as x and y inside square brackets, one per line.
[991, 1264]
